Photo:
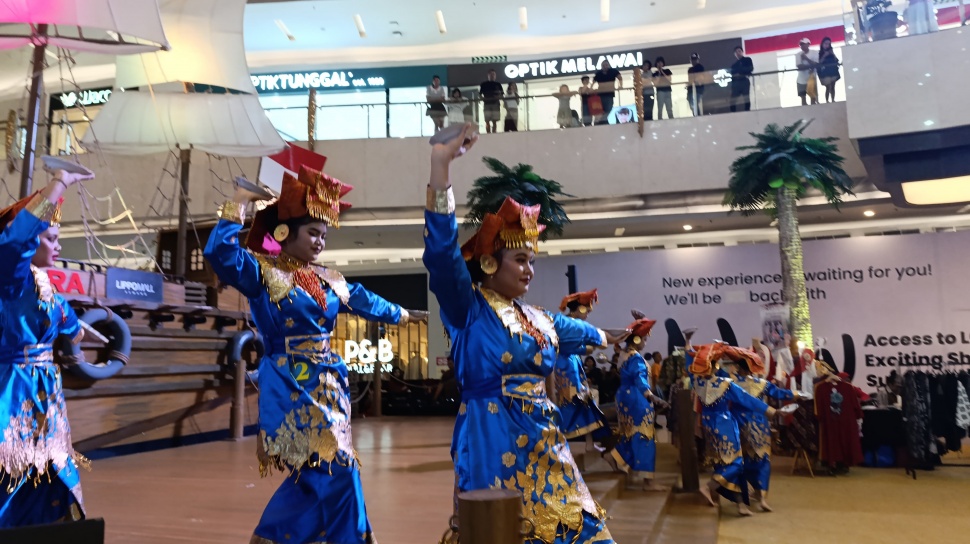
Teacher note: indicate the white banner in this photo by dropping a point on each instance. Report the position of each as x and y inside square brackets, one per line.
[882, 302]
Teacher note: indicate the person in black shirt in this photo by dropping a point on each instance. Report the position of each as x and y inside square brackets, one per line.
[741, 72]
[695, 85]
[492, 93]
[609, 385]
[606, 79]
[661, 80]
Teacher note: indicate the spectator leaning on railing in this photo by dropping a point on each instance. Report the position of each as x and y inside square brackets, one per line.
[741, 72]
[696, 78]
[491, 92]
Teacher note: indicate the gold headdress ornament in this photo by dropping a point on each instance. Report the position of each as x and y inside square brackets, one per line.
[585, 300]
[36, 204]
[310, 193]
[514, 226]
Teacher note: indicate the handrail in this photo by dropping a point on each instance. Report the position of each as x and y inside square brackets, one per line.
[476, 100]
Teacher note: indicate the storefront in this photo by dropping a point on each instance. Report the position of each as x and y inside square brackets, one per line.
[352, 103]
[541, 78]
[70, 114]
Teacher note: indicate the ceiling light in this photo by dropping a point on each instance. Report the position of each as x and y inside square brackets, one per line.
[619, 231]
[937, 191]
[440, 19]
[359, 23]
[701, 4]
[869, 213]
[605, 11]
[688, 227]
[523, 18]
[286, 32]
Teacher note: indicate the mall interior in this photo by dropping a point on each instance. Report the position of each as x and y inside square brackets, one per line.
[754, 203]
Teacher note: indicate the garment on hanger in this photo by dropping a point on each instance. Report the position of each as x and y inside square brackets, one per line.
[916, 411]
[838, 409]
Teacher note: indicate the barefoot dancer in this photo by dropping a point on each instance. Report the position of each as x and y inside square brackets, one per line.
[637, 447]
[718, 397]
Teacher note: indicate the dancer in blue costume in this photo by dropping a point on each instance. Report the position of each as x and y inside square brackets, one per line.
[720, 398]
[507, 432]
[578, 411]
[304, 401]
[39, 480]
[636, 450]
[754, 427]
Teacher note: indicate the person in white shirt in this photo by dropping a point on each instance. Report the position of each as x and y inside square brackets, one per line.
[436, 103]
[806, 62]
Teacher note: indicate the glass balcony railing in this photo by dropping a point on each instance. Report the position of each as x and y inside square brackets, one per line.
[875, 20]
[761, 91]
[719, 95]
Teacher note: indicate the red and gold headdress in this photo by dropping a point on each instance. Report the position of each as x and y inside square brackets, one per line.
[705, 357]
[514, 226]
[584, 300]
[640, 330]
[46, 211]
[311, 193]
[751, 359]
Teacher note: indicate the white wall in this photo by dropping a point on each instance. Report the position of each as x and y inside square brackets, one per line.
[935, 300]
[908, 85]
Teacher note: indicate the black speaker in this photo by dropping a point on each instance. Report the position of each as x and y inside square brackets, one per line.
[89, 531]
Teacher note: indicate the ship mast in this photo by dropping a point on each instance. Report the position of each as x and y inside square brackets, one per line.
[98, 26]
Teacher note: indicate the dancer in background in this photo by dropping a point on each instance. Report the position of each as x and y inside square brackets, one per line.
[579, 413]
[39, 481]
[635, 401]
[304, 401]
[745, 369]
[507, 432]
[719, 397]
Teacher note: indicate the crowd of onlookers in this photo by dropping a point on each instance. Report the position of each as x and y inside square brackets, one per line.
[597, 93]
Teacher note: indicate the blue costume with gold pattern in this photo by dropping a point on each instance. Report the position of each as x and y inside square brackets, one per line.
[39, 480]
[721, 399]
[579, 413]
[637, 448]
[507, 433]
[756, 431]
[304, 401]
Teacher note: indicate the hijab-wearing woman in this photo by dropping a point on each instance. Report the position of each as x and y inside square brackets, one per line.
[507, 433]
[304, 397]
[39, 481]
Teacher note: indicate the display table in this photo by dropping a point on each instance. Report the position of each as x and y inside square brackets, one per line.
[884, 428]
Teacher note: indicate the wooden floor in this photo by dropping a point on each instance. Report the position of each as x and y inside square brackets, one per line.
[212, 493]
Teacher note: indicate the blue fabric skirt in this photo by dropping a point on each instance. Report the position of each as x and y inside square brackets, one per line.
[319, 504]
[46, 502]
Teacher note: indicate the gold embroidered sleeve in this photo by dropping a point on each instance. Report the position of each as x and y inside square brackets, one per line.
[442, 202]
[233, 211]
[41, 208]
[336, 281]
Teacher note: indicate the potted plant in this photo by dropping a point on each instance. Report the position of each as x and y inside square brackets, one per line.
[882, 20]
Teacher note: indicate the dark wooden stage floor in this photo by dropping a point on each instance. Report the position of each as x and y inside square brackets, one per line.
[212, 493]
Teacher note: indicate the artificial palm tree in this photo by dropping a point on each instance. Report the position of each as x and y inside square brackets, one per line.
[780, 169]
[525, 187]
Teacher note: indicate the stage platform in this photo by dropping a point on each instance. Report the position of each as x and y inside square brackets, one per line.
[212, 493]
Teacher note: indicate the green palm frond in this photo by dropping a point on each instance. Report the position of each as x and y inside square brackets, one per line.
[525, 187]
[783, 156]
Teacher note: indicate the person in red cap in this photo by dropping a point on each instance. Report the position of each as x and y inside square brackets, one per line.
[304, 397]
[579, 414]
[636, 450]
[507, 434]
[38, 464]
[745, 369]
[720, 400]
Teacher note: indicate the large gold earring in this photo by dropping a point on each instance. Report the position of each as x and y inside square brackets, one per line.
[489, 264]
[281, 232]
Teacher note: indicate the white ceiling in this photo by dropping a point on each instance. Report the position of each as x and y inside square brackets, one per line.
[326, 36]
[325, 30]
